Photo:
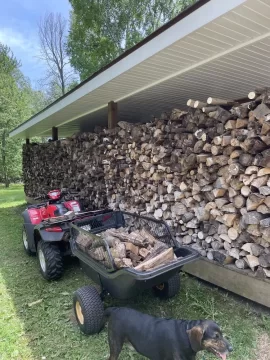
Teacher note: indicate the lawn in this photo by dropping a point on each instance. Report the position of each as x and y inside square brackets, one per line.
[47, 330]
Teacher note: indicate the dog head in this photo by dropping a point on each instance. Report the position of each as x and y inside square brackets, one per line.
[208, 336]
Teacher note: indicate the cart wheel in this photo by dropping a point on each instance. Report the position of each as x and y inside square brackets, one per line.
[26, 243]
[50, 260]
[169, 288]
[89, 310]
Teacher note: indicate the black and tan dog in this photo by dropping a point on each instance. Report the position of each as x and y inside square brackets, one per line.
[163, 339]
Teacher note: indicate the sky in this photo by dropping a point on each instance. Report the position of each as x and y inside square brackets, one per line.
[19, 30]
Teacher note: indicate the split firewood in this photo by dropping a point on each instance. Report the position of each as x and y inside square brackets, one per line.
[245, 190]
[254, 201]
[150, 238]
[195, 169]
[235, 253]
[252, 261]
[235, 169]
[209, 109]
[83, 241]
[233, 233]
[158, 249]
[215, 101]
[239, 201]
[165, 256]
[252, 218]
[191, 103]
[241, 123]
[119, 251]
[241, 264]
[263, 209]
[143, 252]
[97, 254]
[135, 239]
[256, 250]
[264, 261]
[222, 258]
[123, 263]
[199, 104]
[267, 272]
[261, 111]
[259, 182]
[263, 172]
[247, 247]
[132, 248]
[254, 94]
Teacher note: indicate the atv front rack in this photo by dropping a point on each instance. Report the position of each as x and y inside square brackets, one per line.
[72, 216]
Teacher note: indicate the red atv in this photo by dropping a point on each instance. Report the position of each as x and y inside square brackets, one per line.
[46, 231]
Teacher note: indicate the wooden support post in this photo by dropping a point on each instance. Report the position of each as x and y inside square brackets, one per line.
[54, 134]
[112, 115]
[27, 141]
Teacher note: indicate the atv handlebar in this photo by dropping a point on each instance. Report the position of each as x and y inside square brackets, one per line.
[38, 197]
[63, 192]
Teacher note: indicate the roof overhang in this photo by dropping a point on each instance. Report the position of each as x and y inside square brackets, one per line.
[217, 48]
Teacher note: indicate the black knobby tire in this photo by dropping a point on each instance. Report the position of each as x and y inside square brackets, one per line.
[26, 243]
[169, 288]
[53, 268]
[89, 310]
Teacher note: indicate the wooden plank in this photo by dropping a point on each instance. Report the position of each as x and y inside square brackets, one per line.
[236, 281]
[112, 115]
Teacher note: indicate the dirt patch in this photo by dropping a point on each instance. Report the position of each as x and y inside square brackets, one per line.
[263, 348]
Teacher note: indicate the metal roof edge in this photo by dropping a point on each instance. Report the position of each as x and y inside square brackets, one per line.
[189, 10]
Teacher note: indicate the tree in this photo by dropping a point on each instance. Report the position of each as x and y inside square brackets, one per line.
[103, 29]
[14, 101]
[52, 36]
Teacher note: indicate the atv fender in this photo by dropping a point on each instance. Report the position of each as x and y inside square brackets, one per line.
[29, 228]
[49, 236]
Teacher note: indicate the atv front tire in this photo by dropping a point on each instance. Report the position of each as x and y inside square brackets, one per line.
[89, 310]
[50, 260]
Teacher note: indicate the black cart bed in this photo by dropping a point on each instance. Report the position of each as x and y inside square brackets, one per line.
[127, 282]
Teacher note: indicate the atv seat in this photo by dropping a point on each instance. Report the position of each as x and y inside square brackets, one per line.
[35, 206]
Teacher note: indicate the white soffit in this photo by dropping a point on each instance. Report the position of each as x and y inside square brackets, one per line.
[222, 49]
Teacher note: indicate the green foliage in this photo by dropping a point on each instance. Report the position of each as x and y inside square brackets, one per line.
[102, 30]
[15, 97]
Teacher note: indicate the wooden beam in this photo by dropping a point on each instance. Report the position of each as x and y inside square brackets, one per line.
[27, 141]
[237, 281]
[54, 133]
[112, 115]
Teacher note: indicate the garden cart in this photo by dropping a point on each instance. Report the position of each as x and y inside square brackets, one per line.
[126, 282]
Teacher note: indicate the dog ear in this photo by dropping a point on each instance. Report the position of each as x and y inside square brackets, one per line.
[195, 337]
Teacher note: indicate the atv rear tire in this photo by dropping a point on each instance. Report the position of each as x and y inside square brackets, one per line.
[169, 288]
[26, 243]
[50, 260]
[89, 310]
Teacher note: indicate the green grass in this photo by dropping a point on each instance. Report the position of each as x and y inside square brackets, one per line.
[48, 330]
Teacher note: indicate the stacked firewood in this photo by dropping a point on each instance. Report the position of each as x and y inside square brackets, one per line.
[205, 171]
[73, 163]
[138, 249]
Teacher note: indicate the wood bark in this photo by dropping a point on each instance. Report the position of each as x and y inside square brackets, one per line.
[197, 170]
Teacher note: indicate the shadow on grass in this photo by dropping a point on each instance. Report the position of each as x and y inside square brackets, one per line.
[47, 330]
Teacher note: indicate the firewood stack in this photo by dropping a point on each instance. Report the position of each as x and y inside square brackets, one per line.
[205, 171]
[139, 249]
[73, 163]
